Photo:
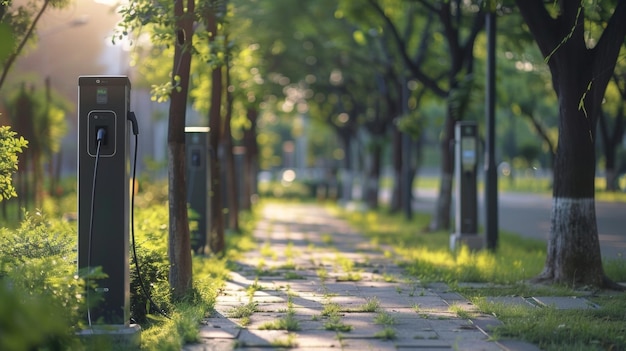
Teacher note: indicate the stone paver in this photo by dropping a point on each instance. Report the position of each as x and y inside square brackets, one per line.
[313, 272]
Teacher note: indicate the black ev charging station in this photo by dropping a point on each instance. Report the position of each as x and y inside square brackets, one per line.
[198, 186]
[104, 202]
[465, 177]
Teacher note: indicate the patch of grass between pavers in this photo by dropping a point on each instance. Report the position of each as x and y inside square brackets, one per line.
[557, 329]
[427, 257]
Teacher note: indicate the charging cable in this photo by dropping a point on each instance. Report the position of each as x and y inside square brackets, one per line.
[133, 120]
[100, 134]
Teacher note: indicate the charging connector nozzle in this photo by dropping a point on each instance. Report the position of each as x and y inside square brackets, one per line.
[100, 134]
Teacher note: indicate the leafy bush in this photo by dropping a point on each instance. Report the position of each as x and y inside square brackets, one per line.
[151, 233]
[30, 320]
[40, 294]
[10, 145]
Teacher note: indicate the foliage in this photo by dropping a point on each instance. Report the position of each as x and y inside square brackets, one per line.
[10, 146]
[150, 226]
[554, 329]
[32, 321]
[39, 284]
[17, 23]
[428, 257]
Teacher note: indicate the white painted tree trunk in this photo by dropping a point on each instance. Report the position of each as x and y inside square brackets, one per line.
[573, 247]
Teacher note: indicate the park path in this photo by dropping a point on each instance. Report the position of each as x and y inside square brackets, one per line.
[334, 290]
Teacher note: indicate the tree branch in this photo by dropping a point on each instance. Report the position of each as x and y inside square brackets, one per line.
[13, 56]
[542, 26]
[606, 52]
[415, 70]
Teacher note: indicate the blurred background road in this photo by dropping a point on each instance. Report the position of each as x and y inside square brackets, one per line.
[529, 216]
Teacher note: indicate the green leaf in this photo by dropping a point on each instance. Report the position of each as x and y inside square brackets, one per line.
[7, 41]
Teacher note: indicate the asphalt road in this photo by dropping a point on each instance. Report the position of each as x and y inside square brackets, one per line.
[529, 216]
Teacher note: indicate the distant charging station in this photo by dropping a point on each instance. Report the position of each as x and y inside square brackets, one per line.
[466, 201]
[104, 197]
[198, 185]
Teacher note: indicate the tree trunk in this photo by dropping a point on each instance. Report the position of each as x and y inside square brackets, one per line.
[441, 218]
[573, 248]
[395, 201]
[610, 142]
[233, 178]
[346, 175]
[580, 76]
[251, 156]
[216, 235]
[179, 249]
[373, 179]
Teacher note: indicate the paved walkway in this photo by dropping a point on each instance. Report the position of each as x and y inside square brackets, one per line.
[315, 284]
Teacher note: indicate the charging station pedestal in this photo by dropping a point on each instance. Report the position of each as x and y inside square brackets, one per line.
[104, 206]
[198, 186]
[466, 204]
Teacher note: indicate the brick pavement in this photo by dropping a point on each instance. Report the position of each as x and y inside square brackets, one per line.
[315, 284]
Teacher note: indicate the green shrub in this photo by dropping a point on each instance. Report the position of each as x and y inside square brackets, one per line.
[10, 146]
[151, 233]
[40, 294]
[30, 321]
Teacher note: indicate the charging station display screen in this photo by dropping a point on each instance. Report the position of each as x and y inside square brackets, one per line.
[102, 95]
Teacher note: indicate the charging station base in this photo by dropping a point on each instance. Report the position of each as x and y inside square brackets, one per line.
[474, 242]
[112, 337]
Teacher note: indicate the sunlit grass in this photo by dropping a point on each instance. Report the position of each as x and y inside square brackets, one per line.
[553, 329]
[428, 257]
[506, 271]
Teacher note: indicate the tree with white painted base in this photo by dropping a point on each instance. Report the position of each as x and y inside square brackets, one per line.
[581, 67]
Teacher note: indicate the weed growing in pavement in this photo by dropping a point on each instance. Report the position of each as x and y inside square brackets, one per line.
[460, 312]
[331, 309]
[336, 324]
[293, 275]
[327, 238]
[289, 265]
[268, 252]
[254, 287]
[288, 342]
[260, 265]
[322, 273]
[389, 278]
[384, 318]
[267, 273]
[288, 322]
[350, 277]
[242, 311]
[386, 334]
[289, 251]
[371, 305]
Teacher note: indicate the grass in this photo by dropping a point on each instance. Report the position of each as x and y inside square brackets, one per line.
[242, 311]
[426, 256]
[384, 318]
[287, 342]
[552, 329]
[288, 322]
[371, 305]
[335, 323]
[386, 334]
